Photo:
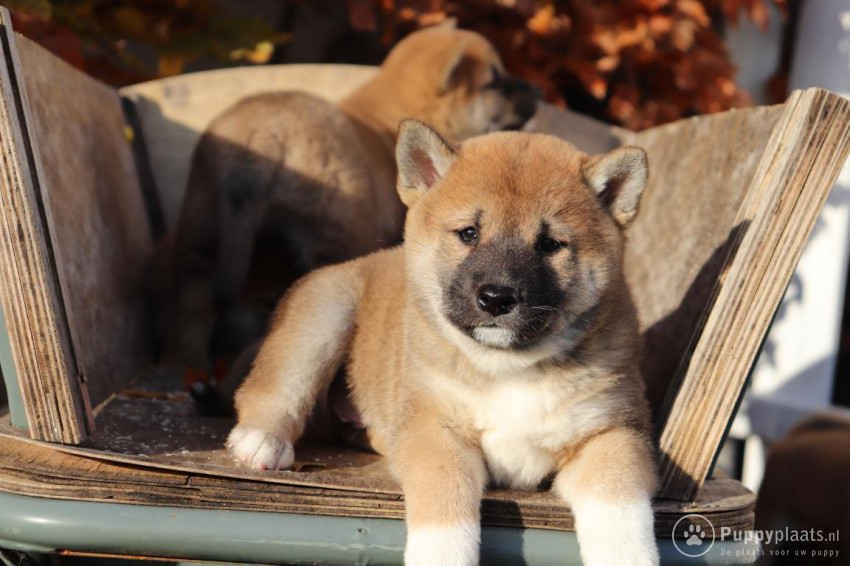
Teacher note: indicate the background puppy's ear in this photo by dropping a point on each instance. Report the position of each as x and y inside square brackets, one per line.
[423, 158]
[618, 178]
[456, 67]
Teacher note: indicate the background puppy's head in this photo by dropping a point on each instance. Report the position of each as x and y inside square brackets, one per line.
[514, 239]
[455, 80]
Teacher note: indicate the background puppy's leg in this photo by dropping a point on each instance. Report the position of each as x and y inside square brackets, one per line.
[232, 175]
[609, 484]
[190, 329]
[442, 478]
[295, 365]
[237, 325]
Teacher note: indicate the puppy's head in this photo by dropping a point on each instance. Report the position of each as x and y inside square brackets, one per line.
[513, 240]
[455, 80]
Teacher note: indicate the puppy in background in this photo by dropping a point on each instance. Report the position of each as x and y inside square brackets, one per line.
[282, 183]
[498, 344]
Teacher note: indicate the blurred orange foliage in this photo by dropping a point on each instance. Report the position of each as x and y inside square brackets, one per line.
[637, 63]
[126, 41]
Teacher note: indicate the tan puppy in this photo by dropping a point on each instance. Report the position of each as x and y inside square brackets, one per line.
[499, 341]
[307, 183]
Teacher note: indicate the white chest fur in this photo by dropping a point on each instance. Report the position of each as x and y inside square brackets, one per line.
[525, 420]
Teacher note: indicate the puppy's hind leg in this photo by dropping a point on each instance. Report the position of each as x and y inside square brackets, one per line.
[609, 484]
[309, 337]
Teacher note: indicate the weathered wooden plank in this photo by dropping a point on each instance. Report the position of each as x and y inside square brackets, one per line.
[701, 170]
[50, 379]
[39, 470]
[95, 215]
[799, 165]
[587, 134]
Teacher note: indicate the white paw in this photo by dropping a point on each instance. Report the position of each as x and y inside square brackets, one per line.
[260, 449]
[634, 543]
[455, 545]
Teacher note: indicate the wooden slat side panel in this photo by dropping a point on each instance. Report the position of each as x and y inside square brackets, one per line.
[589, 135]
[800, 164]
[95, 216]
[52, 392]
[37, 470]
[700, 171]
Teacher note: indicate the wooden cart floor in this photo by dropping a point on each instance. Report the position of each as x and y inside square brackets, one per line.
[151, 448]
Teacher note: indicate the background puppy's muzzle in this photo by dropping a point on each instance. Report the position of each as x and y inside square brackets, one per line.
[524, 97]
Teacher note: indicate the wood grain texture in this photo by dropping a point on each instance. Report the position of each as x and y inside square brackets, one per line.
[797, 169]
[701, 170]
[93, 206]
[40, 470]
[50, 378]
[589, 135]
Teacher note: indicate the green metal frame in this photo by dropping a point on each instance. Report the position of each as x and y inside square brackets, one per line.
[10, 376]
[35, 524]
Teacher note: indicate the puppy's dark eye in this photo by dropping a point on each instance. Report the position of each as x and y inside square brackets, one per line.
[548, 246]
[468, 235]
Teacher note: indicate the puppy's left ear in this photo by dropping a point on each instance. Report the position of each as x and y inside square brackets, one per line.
[423, 158]
[618, 178]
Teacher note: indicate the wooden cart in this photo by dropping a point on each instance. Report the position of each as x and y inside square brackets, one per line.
[99, 455]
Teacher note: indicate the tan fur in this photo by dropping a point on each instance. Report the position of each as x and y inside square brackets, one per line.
[297, 183]
[451, 412]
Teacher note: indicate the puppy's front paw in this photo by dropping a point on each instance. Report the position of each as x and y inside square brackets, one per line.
[616, 533]
[449, 545]
[260, 449]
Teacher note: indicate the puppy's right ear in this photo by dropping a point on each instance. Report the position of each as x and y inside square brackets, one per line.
[618, 178]
[423, 158]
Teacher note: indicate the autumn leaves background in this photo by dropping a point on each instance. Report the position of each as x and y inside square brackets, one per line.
[635, 63]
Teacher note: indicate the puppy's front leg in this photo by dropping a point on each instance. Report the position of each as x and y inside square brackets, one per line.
[309, 336]
[443, 478]
[609, 484]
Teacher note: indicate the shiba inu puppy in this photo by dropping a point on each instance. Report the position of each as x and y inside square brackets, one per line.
[498, 343]
[300, 183]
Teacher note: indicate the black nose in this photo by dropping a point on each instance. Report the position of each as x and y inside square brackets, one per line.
[496, 299]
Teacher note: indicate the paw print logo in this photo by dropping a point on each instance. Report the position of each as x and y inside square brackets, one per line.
[693, 535]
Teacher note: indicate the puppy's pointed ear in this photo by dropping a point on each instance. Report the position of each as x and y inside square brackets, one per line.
[618, 178]
[423, 158]
[455, 66]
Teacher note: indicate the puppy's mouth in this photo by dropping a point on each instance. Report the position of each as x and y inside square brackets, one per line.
[513, 331]
[567, 327]
[493, 336]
